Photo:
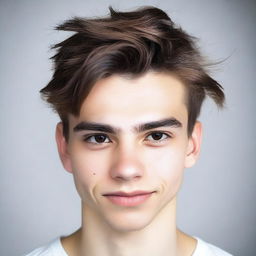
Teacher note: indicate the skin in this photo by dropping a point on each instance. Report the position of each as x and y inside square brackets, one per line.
[129, 159]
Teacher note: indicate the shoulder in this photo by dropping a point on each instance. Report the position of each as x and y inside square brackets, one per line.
[206, 249]
[53, 248]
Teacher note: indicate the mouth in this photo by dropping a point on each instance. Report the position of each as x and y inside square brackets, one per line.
[129, 199]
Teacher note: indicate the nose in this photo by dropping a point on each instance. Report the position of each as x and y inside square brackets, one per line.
[126, 165]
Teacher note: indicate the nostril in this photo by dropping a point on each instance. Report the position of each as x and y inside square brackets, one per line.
[126, 166]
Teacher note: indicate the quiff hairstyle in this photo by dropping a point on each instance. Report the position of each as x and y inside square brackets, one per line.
[126, 43]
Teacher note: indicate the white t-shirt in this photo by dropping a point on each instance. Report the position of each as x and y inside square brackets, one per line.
[54, 248]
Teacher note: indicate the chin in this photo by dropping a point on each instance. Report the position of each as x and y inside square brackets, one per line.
[129, 222]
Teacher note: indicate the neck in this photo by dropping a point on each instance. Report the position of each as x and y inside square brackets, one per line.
[157, 238]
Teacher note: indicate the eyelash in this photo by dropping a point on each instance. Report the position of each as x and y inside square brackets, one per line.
[167, 136]
[87, 138]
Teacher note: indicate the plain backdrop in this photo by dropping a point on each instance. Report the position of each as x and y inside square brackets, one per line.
[38, 198]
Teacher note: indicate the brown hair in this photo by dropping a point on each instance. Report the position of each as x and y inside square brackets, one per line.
[130, 43]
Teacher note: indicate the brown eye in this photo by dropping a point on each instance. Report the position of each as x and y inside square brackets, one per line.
[98, 139]
[157, 136]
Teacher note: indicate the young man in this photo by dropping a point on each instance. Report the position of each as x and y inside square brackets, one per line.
[128, 89]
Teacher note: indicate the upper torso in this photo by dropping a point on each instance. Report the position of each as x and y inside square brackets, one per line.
[55, 248]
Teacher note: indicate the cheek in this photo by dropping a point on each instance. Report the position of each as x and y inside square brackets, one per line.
[168, 165]
[87, 170]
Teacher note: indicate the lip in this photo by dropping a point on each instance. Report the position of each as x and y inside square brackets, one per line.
[129, 198]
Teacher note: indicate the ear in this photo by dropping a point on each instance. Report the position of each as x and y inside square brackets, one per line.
[62, 145]
[194, 145]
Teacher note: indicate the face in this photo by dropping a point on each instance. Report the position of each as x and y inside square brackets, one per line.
[128, 148]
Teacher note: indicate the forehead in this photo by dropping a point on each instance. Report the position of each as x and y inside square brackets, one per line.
[126, 101]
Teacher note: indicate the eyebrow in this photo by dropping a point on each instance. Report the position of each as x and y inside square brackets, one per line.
[91, 126]
[88, 126]
[169, 122]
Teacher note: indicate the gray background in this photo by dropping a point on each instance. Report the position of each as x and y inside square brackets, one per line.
[38, 198]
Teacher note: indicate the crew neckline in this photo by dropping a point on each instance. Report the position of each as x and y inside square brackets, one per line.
[200, 246]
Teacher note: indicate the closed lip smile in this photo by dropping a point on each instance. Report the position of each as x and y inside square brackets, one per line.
[129, 194]
[129, 199]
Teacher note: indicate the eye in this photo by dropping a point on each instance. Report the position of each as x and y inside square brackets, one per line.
[97, 139]
[157, 136]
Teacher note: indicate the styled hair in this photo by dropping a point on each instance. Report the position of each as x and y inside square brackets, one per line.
[126, 43]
